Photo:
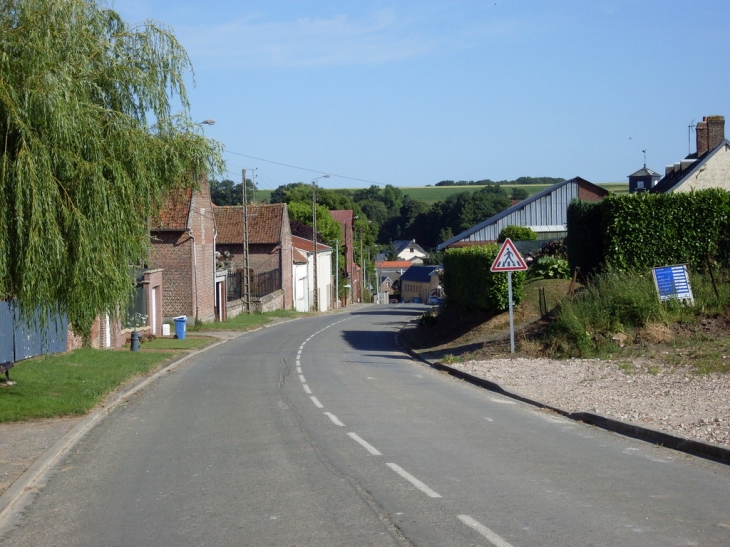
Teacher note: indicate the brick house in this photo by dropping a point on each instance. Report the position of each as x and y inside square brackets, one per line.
[182, 243]
[269, 248]
[346, 219]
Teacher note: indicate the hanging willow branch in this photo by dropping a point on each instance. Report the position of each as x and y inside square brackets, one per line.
[82, 168]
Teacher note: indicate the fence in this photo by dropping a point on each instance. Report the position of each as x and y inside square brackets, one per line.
[261, 284]
[20, 339]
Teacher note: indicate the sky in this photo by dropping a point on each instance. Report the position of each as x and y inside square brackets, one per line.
[410, 93]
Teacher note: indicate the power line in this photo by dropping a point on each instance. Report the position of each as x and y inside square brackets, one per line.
[319, 172]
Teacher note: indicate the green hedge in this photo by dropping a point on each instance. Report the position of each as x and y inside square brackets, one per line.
[517, 233]
[647, 230]
[585, 242]
[468, 282]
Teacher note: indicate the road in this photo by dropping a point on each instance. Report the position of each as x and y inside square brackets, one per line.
[321, 431]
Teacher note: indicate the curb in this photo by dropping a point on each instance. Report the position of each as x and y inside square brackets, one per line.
[701, 449]
[22, 492]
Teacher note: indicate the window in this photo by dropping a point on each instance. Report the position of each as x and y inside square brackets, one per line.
[639, 184]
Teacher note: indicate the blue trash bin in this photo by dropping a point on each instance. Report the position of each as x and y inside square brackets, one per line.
[180, 327]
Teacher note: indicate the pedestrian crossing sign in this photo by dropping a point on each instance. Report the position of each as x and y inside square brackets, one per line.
[508, 259]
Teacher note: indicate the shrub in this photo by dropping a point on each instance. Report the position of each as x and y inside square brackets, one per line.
[550, 267]
[516, 233]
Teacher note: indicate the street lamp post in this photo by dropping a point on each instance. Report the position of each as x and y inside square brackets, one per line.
[314, 239]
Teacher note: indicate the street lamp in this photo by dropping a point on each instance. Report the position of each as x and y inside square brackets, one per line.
[314, 238]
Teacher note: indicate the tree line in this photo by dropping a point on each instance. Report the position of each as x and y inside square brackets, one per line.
[521, 180]
[387, 214]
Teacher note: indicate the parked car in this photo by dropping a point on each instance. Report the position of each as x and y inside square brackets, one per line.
[433, 301]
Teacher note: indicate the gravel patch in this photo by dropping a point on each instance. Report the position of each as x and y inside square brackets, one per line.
[669, 399]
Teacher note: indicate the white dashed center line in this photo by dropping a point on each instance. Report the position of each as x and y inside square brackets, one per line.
[492, 537]
[370, 448]
[414, 481]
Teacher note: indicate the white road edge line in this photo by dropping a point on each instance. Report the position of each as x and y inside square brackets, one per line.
[493, 538]
[414, 481]
[367, 446]
[306, 389]
[301, 377]
[316, 402]
[334, 419]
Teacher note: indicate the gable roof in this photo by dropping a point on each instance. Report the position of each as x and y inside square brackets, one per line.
[565, 192]
[403, 244]
[419, 274]
[265, 223]
[298, 257]
[690, 165]
[174, 213]
[306, 245]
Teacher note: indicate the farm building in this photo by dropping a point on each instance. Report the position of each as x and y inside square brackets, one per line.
[545, 213]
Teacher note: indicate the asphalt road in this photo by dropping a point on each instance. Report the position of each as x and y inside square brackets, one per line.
[322, 432]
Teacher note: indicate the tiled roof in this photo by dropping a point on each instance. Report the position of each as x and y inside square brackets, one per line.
[264, 223]
[306, 245]
[174, 213]
[395, 264]
[342, 215]
[298, 257]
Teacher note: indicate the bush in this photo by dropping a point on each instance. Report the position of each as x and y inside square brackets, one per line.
[550, 267]
[517, 233]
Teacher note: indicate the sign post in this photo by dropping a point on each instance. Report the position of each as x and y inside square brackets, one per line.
[509, 260]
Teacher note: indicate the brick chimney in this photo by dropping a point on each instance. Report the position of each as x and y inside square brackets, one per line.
[710, 133]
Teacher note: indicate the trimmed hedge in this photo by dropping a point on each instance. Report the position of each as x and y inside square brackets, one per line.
[585, 242]
[516, 233]
[468, 282]
[647, 230]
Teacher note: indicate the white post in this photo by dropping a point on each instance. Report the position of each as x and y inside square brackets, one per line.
[511, 314]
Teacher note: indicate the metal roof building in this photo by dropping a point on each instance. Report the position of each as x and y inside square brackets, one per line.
[544, 212]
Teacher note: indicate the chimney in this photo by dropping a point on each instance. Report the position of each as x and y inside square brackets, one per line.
[710, 133]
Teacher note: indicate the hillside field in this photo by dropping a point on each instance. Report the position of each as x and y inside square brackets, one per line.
[432, 194]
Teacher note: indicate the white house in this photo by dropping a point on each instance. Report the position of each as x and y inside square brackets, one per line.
[303, 275]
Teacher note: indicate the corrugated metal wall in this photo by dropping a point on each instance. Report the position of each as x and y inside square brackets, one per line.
[20, 340]
[7, 333]
[549, 210]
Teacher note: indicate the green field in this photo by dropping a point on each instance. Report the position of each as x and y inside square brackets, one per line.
[432, 194]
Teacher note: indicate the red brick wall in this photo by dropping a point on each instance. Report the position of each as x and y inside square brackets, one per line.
[173, 253]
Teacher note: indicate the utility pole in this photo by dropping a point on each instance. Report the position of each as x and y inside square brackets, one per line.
[362, 273]
[246, 264]
[314, 243]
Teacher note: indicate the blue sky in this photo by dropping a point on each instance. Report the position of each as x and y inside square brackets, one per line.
[413, 92]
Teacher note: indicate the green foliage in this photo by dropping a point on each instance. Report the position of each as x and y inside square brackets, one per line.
[621, 302]
[226, 192]
[517, 233]
[550, 267]
[329, 229]
[658, 229]
[81, 171]
[585, 240]
[468, 281]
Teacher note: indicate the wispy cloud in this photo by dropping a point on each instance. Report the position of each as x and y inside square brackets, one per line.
[307, 42]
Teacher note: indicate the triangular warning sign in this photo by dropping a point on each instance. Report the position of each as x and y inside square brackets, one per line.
[508, 259]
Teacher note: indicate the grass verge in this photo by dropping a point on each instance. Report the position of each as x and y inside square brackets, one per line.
[70, 384]
[247, 321]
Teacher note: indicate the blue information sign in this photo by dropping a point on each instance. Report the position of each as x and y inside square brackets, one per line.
[673, 282]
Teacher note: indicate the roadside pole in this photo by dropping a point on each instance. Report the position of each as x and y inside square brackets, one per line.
[509, 260]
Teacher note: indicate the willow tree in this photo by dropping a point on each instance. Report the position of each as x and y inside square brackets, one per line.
[90, 146]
